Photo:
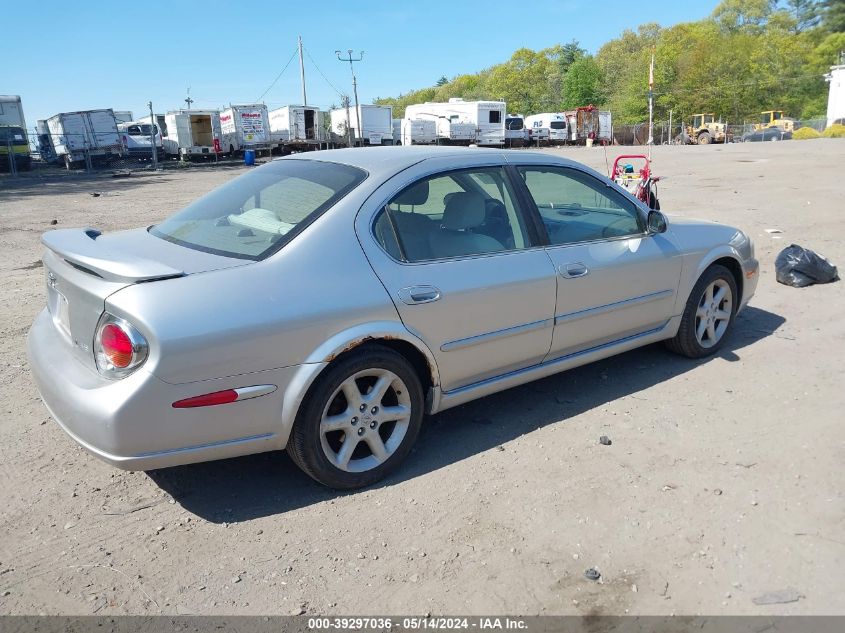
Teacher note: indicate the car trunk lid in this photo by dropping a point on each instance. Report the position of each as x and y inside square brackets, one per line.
[84, 267]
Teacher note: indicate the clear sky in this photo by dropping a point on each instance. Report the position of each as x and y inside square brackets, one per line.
[62, 56]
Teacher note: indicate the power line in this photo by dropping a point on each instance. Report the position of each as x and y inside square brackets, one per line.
[295, 51]
[339, 93]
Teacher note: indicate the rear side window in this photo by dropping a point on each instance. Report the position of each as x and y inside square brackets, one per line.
[495, 116]
[254, 215]
[457, 214]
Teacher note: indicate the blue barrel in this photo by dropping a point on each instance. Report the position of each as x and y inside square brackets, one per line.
[249, 157]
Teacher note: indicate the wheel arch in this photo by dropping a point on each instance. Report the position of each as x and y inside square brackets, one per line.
[723, 256]
[392, 335]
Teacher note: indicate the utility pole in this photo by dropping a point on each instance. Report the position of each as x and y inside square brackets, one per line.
[153, 135]
[345, 102]
[351, 59]
[188, 99]
[302, 73]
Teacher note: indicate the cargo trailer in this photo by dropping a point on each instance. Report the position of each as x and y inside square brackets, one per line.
[245, 127]
[376, 125]
[87, 133]
[296, 127]
[191, 133]
[418, 132]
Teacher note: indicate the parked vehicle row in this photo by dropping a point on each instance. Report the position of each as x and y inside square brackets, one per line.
[71, 138]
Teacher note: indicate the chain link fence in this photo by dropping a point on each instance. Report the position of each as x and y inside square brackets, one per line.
[637, 134]
[85, 153]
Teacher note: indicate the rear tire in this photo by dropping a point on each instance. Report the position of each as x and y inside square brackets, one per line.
[359, 420]
[708, 316]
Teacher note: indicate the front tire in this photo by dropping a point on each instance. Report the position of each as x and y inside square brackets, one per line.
[359, 420]
[708, 316]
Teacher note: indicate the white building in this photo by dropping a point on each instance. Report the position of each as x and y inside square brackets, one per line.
[836, 96]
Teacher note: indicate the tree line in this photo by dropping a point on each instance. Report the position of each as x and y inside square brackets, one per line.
[747, 56]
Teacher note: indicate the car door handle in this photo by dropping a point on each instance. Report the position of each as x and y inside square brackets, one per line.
[413, 295]
[573, 270]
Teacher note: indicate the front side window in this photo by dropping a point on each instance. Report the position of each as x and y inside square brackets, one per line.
[576, 207]
[254, 215]
[461, 213]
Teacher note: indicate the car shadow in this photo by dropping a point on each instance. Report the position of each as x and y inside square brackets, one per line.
[261, 485]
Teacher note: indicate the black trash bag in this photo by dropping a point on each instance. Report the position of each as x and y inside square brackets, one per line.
[799, 267]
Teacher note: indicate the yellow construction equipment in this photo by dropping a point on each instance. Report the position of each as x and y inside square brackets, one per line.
[705, 130]
[775, 118]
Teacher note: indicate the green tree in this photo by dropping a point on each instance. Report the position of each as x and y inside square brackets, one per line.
[443, 80]
[583, 84]
[833, 15]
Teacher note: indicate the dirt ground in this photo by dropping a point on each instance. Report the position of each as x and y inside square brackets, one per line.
[724, 480]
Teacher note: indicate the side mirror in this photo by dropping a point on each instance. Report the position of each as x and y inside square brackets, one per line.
[656, 222]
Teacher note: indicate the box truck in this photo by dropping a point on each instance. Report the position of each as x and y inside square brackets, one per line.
[245, 127]
[190, 133]
[14, 143]
[376, 125]
[91, 133]
[45, 141]
[296, 127]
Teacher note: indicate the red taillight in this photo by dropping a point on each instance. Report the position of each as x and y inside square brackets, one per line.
[119, 348]
[207, 400]
[117, 345]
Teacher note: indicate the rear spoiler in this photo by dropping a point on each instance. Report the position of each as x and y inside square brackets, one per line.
[79, 247]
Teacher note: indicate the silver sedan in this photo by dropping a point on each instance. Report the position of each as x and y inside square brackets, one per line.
[324, 303]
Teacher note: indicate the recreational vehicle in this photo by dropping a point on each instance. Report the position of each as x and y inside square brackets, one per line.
[486, 117]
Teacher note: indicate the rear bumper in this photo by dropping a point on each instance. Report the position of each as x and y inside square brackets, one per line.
[131, 424]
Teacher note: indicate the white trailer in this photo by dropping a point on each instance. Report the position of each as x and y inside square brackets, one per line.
[245, 127]
[88, 132]
[418, 132]
[548, 126]
[397, 131]
[376, 124]
[190, 133]
[486, 117]
[296, 126]
[605, 127]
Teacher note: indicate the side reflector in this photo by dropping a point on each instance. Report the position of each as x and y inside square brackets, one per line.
[207, 400]
[224, 397]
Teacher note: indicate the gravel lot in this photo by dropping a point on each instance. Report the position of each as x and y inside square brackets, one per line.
[724, 480]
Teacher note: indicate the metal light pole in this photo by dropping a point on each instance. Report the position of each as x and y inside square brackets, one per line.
[351, 59]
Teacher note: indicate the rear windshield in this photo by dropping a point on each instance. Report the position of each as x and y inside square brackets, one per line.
[514, 124]
[254, 215]
[141, 130]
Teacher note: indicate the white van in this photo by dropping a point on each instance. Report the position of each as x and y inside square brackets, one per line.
[548, 126]
[516, 134]
[136, 139]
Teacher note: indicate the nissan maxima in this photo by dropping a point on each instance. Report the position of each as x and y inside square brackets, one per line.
[324, 303]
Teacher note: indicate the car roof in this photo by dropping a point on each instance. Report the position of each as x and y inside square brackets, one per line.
[393, 159]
